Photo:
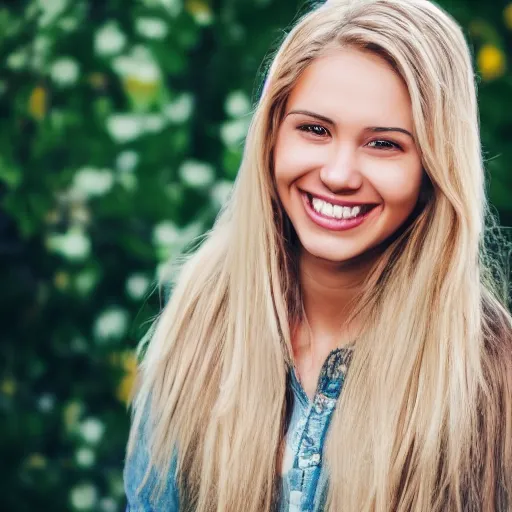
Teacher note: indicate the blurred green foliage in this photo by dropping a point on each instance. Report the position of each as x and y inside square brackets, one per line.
[123, 124]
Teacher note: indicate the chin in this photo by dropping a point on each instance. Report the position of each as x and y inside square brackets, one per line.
[334, 254]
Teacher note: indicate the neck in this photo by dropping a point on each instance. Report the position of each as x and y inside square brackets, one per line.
[329, 291]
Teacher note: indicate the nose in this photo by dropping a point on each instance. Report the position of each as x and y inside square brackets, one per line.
[340, 173]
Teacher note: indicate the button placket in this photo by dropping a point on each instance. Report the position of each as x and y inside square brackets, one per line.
[311, 429]
[309, 452]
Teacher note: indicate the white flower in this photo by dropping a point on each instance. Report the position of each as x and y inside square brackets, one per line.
[85, 281]
[152, 28]
[109, 39]
[190, 232]
[220, 192]
[140, 64]
[237, 104]
[50, 11]
[108, 504]
[127, 161]
[85, 457]
[128, 180]
[64, 71]
[127, 127]
[111, 324]
[165, 234]
[137, 285]
[92, 430]
[164, 271]
[46, 402]
[179, 110]
[73, 245]
[124, 127]
[41, 50]
[116, 485]
[153, 123]
[79, 213]
[42, 45]
[69, 23]
[18, 59]
[233, 132]
[173, 7]
[168, 239]
[84, 496]
[202, 14]
[91, 182]
[196, 174]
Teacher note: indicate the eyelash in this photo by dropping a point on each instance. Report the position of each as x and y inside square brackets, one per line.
[308, 129]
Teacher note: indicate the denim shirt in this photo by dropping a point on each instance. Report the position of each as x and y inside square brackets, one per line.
[304, 480]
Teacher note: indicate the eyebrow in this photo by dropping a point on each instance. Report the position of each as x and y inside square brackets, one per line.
[376, 129]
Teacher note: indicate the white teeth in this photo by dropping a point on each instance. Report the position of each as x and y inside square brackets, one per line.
[317, 204]
[335, 211]
[327, 209]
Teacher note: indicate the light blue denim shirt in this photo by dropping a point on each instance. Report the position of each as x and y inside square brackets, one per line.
[303, 481]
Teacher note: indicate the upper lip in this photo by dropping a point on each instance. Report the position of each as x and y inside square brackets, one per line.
[338, 201]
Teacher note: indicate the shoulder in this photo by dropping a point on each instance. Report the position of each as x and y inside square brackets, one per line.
[495, 407]
[140, 480]
[497, 345]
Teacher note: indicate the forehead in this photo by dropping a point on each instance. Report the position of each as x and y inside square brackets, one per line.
[353, 86]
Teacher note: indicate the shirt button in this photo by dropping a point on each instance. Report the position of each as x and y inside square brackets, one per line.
[319, 406]
[310, 460]
[315, 458]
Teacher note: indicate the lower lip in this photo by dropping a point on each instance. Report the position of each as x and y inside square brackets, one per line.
[331, 223]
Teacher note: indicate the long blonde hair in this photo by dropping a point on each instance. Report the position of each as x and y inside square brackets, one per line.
[424, 421]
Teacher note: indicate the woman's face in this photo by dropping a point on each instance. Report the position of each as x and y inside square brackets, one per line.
[347, 169]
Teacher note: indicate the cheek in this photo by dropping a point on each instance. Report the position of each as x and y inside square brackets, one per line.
[293, 158]
[399, 187]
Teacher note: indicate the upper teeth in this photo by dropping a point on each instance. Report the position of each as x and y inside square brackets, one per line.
[334, 210]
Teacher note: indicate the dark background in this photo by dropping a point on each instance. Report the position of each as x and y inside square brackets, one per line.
[122, 130]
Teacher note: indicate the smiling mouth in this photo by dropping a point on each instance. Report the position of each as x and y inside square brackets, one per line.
[338, 211]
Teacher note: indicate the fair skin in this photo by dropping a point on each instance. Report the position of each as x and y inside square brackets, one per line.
[347, 139]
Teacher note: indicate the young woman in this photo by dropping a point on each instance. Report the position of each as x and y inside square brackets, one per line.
[338, 342]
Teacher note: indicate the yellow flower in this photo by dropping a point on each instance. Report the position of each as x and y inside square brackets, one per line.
[142, 92]
[134, 85]
[200, 10]
[37, 103]
[126, 386]
[36, 461]
[507, 15]
[61, 280]
[491, 62]
[71, 414]
[8, 386]
[97, 80]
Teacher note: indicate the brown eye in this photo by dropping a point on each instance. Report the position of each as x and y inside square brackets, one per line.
[314, 129]
[384, 144]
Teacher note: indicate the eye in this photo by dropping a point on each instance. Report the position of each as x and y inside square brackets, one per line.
[315, 129]
[384, 144]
